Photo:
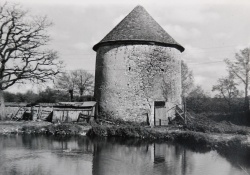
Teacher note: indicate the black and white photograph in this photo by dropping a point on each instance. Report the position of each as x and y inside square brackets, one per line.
[114, 87]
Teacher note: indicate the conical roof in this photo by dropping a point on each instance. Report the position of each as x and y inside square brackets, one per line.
[139, 27]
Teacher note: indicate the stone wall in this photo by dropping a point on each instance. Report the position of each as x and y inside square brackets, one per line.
[129, 78]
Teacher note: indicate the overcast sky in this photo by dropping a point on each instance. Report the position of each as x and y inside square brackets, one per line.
[210, 30]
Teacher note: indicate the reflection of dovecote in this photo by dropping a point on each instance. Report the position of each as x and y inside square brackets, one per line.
[133, 62]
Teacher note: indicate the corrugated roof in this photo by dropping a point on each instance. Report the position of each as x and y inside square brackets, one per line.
[46, 104]
[15, 104]
[139, 27]
[78, 104]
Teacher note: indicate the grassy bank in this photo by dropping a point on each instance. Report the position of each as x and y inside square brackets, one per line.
[215, 123]
[202, 134]
[221, 140]
[46, 128]
[235, 147]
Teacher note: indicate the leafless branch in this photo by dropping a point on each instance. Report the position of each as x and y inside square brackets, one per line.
[22, 52]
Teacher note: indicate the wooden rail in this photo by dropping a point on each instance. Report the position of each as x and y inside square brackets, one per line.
[85, 116]
[183, 114]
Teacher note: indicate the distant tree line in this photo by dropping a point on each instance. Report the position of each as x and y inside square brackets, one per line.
[229, 98]
[49, 95]
[199, 101]
[69, 86]
[76, 83]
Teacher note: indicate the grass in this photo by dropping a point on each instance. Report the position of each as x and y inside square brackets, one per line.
[45, 128]
[57, 129]
[206, 124]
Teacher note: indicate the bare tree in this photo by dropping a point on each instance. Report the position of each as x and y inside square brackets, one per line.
[76, 81]
[227, 89]
[22, 49]
[198, 92]
[65, 81]
[187, 79]
[240, 68]
[84, 81]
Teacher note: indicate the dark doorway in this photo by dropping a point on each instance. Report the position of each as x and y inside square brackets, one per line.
[160, 113]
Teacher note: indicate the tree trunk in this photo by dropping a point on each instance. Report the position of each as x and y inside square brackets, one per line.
[71, 95]
[2, 107]
[246, 95]
[246, 101]
[81, 93]
[247, 82]
[229, 107]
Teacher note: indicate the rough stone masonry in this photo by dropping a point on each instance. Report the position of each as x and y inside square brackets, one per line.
[137, 65]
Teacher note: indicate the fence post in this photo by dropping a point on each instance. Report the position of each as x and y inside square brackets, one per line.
[159, 122]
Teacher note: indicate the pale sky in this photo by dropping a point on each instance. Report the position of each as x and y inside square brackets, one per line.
[209, 30]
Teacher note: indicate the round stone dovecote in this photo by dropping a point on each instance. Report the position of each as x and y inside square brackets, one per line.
[138, 71]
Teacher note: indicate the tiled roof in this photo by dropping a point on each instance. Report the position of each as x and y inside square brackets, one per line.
[139, 27]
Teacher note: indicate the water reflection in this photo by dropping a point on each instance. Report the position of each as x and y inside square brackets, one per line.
[28, 154]
[38, 155]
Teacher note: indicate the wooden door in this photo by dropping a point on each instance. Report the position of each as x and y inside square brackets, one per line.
[160, 113]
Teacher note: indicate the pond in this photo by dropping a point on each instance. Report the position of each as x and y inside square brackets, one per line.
[48, 155]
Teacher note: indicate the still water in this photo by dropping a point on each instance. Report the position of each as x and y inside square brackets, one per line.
[42, 155]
